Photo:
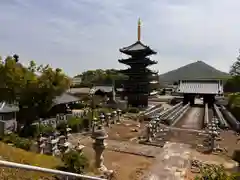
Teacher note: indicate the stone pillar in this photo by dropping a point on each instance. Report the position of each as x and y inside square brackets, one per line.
[108, 118]
[99, 145]
[119, 115]
[114, 116]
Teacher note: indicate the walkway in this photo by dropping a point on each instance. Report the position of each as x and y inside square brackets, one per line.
[171, 164]
[192, 119]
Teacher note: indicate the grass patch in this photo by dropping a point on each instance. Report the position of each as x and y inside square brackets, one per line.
[13, 154]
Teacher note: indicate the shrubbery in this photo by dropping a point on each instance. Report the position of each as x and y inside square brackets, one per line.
[75, 162]
[46, 130]
[18, 142]
[234, 104]
[35, 130]
[61, 127]
[214, 172]
[76, 124]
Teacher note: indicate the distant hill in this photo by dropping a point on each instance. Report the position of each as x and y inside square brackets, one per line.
[196, 70]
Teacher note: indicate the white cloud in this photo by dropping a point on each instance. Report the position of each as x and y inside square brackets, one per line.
[77, 35]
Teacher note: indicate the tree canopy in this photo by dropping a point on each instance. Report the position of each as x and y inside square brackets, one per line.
[32, 88]
[235, 68]
[233, 84]
[99, 76]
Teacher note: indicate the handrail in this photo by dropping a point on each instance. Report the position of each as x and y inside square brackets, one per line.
[46, 170]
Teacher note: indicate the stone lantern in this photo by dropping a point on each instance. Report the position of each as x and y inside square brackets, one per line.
[154, 128]
[94, 123]
[101, 117]
[41, 144]
[68, 130]
[99, 145]
[157, 119]
[16, 57]
[149, 133]
[119, 112]
[114, 116]
[108, 118]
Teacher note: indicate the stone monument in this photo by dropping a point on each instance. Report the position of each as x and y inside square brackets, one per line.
[99, 145]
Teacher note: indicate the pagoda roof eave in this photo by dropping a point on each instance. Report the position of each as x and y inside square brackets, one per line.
[129, 71]
[131, 61]
[137, 47]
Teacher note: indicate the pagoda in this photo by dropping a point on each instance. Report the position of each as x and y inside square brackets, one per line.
[141, 81]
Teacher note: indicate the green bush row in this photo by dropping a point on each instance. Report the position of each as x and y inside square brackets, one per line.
[17, 141]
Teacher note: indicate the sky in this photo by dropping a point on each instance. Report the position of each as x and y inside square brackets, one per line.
[79, 35]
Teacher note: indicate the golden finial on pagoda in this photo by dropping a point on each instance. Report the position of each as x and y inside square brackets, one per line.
[139, 29]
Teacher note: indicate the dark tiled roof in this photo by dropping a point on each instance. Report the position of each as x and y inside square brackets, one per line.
[65, 98]
[5, 107]
[136, 47]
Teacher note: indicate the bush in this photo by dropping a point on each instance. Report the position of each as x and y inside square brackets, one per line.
[29, 130]
[35, 130]
[23, 144]
[61, 127]
[46, 130]
[18, 142]
[133, 110]
[75, 124]
[11, 138]
[214, 172]
[75, 162]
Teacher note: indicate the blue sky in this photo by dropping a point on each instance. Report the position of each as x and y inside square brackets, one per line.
[77, 35]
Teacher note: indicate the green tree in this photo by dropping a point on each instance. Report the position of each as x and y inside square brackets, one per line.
[235, 68]
[33, 88]
[233, 83]
[99, 76]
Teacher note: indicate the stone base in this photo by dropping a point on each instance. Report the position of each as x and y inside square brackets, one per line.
[106, 173]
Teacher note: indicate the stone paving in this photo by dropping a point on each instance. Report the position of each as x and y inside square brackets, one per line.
[171, 164]
[121, 146]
